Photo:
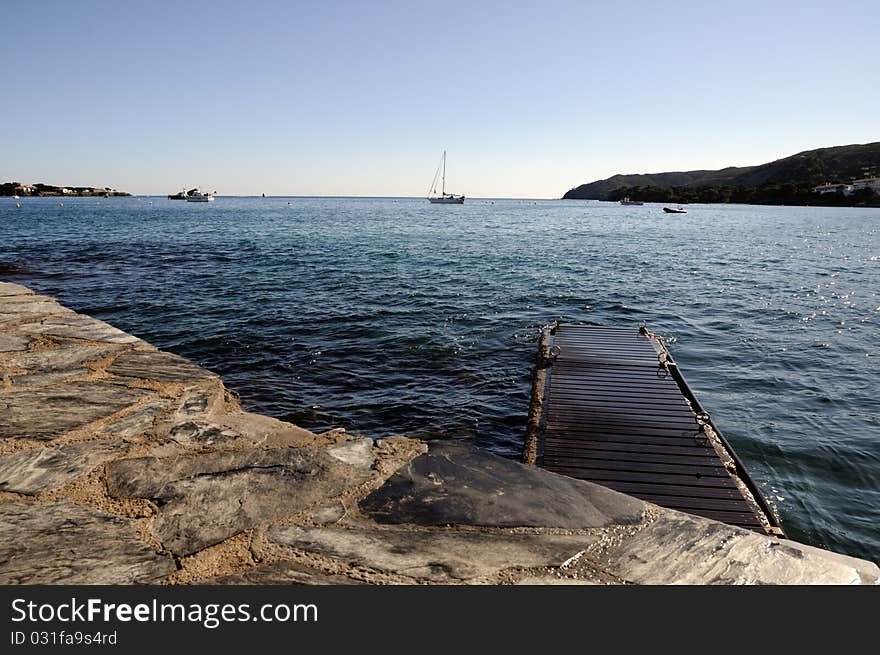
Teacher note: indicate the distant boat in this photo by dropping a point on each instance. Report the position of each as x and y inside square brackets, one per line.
[679, 210]
[627, 201]
[182, 194]
[198, 196]
[444, 198]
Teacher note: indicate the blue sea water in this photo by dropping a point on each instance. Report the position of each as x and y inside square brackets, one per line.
[394, 316]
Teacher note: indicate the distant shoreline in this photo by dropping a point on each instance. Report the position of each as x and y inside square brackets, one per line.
[39, 189]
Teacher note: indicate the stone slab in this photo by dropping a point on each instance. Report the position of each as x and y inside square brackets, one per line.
[282, 573]
[44, 379]
[141, 420]
[26, 298]
[201, 433]
[35, 306]
[78, 326]
[434, 555]
[65, 543]
[357, 453]
[60, 359]
[49, 412]
[869, 572]
[679, 548]
[207, 498]
[12, 289]
[13, 342]
[159, 366]
[36, 471]
[456, 483]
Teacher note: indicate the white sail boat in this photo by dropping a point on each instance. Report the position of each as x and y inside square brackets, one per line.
[444, 198]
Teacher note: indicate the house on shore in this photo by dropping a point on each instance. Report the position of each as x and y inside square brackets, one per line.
[833, 188]
[870, 183]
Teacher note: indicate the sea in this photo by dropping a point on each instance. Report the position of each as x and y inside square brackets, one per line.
[392, 316]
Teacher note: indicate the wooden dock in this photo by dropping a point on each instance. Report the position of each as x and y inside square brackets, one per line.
[609, 405]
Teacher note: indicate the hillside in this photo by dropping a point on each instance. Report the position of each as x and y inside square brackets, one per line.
[791, 177]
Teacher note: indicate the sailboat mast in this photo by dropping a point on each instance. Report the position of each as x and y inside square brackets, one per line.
[444, 172]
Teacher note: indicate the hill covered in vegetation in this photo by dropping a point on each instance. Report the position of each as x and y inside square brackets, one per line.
[784, 181]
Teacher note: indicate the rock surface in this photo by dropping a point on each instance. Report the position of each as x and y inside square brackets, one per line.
[96, 426]
[60, 359]
[49, 412]
[36, 471]
[77, 326]
[283, 573]
[157, 365]
[65, 543]
[211, 497]
[435, 555]
[456, 484]
[687, 549]
[13, 342]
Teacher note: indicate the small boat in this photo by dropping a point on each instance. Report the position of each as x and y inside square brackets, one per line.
[182, 194]
[198, 196]
[444, 198]
[627, 201]
[672, 210]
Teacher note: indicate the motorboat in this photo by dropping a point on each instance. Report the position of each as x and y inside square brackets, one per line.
[198, 196]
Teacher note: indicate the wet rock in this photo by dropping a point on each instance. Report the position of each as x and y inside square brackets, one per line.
[78, 326]
[13, 342]
[435, 555]
[159, 366]
[33, 472]
[141, 420]
[679, 548]
[283, 573]
[210, 497]
[65, 543]
[60, 359]
[51, 411]
[455, 483]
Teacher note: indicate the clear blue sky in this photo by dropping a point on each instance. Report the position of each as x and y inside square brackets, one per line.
[360, 98]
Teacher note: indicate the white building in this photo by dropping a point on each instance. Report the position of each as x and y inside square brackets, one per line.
[872, 183]
[833, 188]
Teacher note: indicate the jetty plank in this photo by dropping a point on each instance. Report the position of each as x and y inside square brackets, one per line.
[618, 412]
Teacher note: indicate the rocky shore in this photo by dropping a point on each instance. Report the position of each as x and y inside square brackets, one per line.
[121, 464]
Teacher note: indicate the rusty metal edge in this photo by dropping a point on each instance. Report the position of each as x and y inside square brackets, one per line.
[543, 361]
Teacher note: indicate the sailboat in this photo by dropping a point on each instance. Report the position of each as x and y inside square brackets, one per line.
[444, 198]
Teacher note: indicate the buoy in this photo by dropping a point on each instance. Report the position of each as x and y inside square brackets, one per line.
[18, 204]
[61, 204]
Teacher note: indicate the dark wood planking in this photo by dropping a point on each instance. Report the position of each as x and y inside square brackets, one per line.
[613, 416]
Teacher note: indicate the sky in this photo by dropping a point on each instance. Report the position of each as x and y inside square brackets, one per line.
[361, 98]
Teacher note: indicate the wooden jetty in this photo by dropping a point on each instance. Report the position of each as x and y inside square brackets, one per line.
[609, 405]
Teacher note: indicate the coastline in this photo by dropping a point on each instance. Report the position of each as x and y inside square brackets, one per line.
[144, 466]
